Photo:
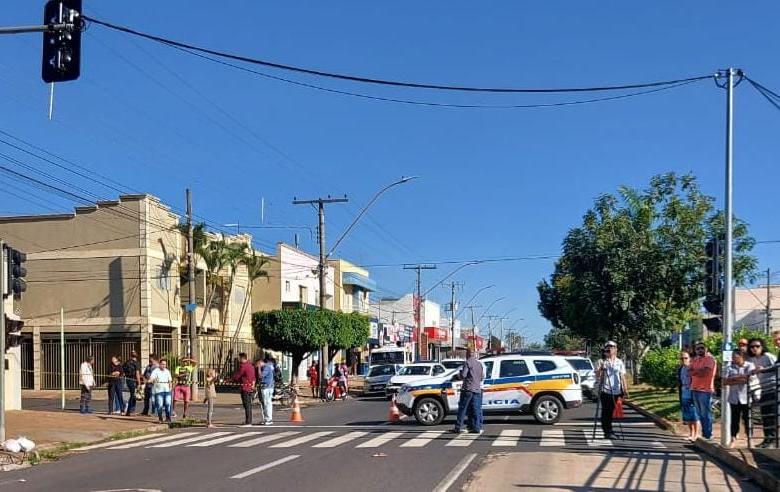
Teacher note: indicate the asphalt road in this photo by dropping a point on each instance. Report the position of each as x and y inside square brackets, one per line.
[342, 445]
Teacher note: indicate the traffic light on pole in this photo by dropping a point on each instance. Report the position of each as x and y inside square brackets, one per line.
[62, 46]
[16, 272]
[712, 283]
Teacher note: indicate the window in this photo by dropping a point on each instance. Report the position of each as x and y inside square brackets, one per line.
[303, 294]
[415, 371]
[287, 286]
[513, 368]
[488, 369]
[438, 370]
[581, 364]
[544, 365]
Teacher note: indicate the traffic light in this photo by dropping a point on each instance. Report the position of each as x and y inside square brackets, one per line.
[16, 272]
[712, 282]
[713, 324]
[13, 333]
[62, 47]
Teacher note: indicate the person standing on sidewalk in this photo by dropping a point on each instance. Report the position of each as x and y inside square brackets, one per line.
[314, 380]
[182, 390]
[687, 407]
[472, 374]
[211, 396]
[703, 368]
[87, 382]
[764, 363]
[149, 403]
[267, 379]
[737, 376]
[612, 386]
[115, 400]
[246, 376]
[132, 373]
[162, 382]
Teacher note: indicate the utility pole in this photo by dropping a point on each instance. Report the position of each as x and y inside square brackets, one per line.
[321, 272]
[453, 309]
[728, 297]
[2, 339]
[473, 343]
[418, 305]
[191, 303]
[768, 302]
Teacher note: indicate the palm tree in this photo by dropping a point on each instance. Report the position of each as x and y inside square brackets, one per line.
[255, 268]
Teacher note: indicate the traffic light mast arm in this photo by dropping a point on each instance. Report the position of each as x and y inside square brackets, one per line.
[66, 26]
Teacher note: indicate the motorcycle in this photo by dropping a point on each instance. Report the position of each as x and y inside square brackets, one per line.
[333, 391]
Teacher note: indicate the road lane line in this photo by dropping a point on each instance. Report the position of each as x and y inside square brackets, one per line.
[154, 441]
[337, 441]
[462, 440]
[261, 440]
[118, 442]
[552, 438]
[590, 424]
[221, 440]
[203, 437]
[422, 439]
[599, 441]
[266, 466]
[508, 438]
[380, 440]
[453, 475]
[302, 439]
[657, 445]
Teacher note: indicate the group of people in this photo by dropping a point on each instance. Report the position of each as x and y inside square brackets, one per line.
[258, 379]
[161, 388]
[340, 378]
[750, 378]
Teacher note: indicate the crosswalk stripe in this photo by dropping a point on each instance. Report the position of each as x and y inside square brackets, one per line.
[380, 440]
[337, 441]
[145, 442]
[302, 439]
[462, 440]
[599, 441]
[508, 438]
[422, 439]
[203, 437]
[552, 438]
[221, 440]
[263, 439]
[118, 442]
[657, 445]
[266, 466]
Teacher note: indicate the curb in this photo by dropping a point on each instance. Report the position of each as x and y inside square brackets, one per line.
[764, 479]
[143, 430]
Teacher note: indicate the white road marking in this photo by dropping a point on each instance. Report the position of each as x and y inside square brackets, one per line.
[590, 424]
[266, 466]
[422, 439]
[302, 439]
[453, 475]
[508, 438]
[657, 445]
[462, 440]
[598, 441]
[380, 440]
[221, 440]
[261, 440]
[117, 442]
[552, 438]
[154, 441]
[203, 437]
[337, 441]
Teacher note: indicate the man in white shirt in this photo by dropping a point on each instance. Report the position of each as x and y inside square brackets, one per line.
[162, 383]
[87, 381]
[611, 377]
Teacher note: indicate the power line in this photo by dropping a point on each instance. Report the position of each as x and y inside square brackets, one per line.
[384, 82]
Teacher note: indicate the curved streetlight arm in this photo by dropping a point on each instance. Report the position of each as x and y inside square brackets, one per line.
[488, 309]
[365, 209]
[448, 276]
[468, 303]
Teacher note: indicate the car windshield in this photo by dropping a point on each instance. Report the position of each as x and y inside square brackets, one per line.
[452, 364]
[415, 371]
[396, 357]
[580, 364]
[381, 371]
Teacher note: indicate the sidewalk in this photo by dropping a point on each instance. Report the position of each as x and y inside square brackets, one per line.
[761, 465]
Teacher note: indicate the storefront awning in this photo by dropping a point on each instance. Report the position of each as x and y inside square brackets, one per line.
[358, 280]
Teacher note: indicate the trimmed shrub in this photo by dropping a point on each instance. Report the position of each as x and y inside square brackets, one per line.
[659, 367]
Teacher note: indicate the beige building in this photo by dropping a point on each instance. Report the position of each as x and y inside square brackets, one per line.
[114, 272]
[352, 288]
[751, 306]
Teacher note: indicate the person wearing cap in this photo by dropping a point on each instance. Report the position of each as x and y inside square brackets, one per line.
[703, 368]
[612, 385]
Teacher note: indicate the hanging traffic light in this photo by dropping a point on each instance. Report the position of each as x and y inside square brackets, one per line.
[712, 281]
[16, 272]
[61, 45]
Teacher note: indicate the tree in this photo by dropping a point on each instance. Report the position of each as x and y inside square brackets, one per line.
[562, 339]
[634, 270]
[345, 330]
[297, 332]
[255, 269]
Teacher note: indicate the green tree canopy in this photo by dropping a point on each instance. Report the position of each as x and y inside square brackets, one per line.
[634, 270]
[562, 339]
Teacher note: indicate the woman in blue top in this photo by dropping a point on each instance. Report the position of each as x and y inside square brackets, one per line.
[687, 408]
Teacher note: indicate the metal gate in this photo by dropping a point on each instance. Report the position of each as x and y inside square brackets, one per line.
[76, 352]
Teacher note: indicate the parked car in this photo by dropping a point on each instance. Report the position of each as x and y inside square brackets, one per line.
[413, 372]
[584, 367]
[540, 385]
[377, 377]
[453, 363]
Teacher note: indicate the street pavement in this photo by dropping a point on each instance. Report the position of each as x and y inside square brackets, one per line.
[349, 445]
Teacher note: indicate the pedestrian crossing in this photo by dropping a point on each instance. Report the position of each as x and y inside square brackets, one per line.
[504, 439]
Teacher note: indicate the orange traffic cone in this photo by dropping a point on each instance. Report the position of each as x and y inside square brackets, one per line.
[295, 415]
[395, 415]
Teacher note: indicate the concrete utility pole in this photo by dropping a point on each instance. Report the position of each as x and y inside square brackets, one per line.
[321, 273]
[418, 306]
[2, 339]
[191, 302]
[768, 302]
[453, 309]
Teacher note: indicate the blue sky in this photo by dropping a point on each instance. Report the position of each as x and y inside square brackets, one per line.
[494, 182]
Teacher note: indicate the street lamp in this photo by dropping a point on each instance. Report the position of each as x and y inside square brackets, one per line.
[365, 209]
[488, 308]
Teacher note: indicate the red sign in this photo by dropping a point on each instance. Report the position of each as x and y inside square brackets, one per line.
[434, 333]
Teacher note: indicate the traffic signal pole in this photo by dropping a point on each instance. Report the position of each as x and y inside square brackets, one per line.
[2, 340]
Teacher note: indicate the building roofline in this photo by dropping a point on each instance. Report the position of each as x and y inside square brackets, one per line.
[32, 218]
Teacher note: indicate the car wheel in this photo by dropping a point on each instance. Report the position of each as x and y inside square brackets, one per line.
[547, 409]
[429, 411]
